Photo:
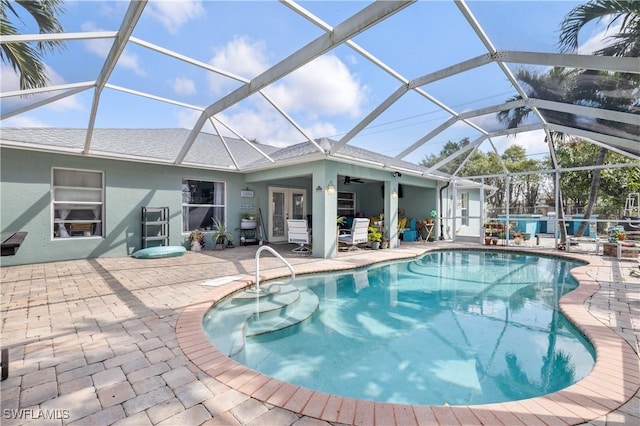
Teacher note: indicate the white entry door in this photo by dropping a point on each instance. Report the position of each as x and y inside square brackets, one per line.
[285, 203]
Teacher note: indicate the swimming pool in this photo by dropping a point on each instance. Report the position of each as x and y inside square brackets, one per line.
[454, 327]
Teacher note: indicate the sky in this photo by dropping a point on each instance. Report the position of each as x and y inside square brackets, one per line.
[326, 98]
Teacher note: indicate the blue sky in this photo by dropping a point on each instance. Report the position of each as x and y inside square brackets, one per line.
[326, 97]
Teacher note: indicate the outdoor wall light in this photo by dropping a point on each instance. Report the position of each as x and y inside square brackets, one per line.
[394, 194]
[396, 174]
[330, 188]
[318, 188]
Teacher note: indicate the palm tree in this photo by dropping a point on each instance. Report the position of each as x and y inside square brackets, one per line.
[626, 42]
[555, 86]
[550, 86]
[26, 58]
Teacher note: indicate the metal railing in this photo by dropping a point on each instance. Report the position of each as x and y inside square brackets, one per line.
[276, 254]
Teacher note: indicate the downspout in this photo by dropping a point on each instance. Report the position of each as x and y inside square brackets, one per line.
[441, 223]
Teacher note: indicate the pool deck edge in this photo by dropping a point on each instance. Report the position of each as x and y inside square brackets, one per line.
[614, 380]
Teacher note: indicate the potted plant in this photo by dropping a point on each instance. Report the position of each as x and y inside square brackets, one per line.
[385, 243]
[432, 216]
[374, 237]
[221, 236]
[248, 221]
[517, 237]
[619, 234]
[196, 240]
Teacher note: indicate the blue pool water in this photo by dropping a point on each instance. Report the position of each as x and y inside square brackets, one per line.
[455, 327]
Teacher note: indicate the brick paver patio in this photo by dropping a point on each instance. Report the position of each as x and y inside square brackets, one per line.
[95, 342]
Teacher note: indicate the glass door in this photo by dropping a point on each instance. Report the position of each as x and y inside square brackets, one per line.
[285, 203]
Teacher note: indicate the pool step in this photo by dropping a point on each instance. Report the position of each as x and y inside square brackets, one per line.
[278, 306]
[278, 319]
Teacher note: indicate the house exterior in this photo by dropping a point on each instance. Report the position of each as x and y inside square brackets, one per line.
[76, 206]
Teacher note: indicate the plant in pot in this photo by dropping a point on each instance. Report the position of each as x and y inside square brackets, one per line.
[221, 236]
[374, 237]
[340, 221]
[518, 238]
[196, 240]
[619, 235]
[248, 221]
[432, 216]
[385, 241]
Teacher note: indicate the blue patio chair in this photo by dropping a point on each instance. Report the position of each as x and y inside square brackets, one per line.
[412, 233]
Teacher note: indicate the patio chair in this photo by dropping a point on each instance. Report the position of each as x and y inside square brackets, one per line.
[412, 233]
[299, 234]
[358, 234]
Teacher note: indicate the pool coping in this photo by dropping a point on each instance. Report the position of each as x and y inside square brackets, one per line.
[614, 379]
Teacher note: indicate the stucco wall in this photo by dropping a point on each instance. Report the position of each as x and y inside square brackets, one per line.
[26, 203]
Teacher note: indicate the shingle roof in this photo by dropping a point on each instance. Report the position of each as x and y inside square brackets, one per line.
[163, 145]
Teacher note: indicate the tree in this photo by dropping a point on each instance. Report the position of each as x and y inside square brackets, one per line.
[611, 186]
[551, 86]
[586, 87]
[625, 43]
[26, 58]
[448, 149]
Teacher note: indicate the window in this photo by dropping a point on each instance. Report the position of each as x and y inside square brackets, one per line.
[464, 208]
[201, 202]
[77, 203]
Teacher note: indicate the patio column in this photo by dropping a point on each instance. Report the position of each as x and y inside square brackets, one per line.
[391, 213]
[325, 207]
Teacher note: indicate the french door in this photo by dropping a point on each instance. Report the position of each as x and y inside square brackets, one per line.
[285, 203]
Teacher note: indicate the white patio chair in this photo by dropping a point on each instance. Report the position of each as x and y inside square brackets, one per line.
[358, 234]
[298, 233]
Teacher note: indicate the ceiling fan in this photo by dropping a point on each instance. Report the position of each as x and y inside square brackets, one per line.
[349, 179]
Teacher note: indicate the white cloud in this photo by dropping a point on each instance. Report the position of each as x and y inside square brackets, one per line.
[11, 82]
[321, 88]
[264, 125]
[176, 13]
[183, 86]
[24, 122]
[70, 103]
[101, 48]
[324, 86]
[242, 57]
[187, 118]
[533, 142]
[600, 38]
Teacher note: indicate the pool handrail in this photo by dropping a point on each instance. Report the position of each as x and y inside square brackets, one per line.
[276, 254]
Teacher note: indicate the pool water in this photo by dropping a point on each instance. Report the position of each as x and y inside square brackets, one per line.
[454, 327]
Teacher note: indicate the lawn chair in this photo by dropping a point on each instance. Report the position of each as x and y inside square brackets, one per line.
[358, 234]
[299, 234]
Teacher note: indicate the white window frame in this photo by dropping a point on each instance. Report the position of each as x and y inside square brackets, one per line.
[186, 205]
[73, 200]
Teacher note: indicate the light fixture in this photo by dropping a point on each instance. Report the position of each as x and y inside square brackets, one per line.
[394, 194]
[396, 174]
[330, 188]
[318, 188]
